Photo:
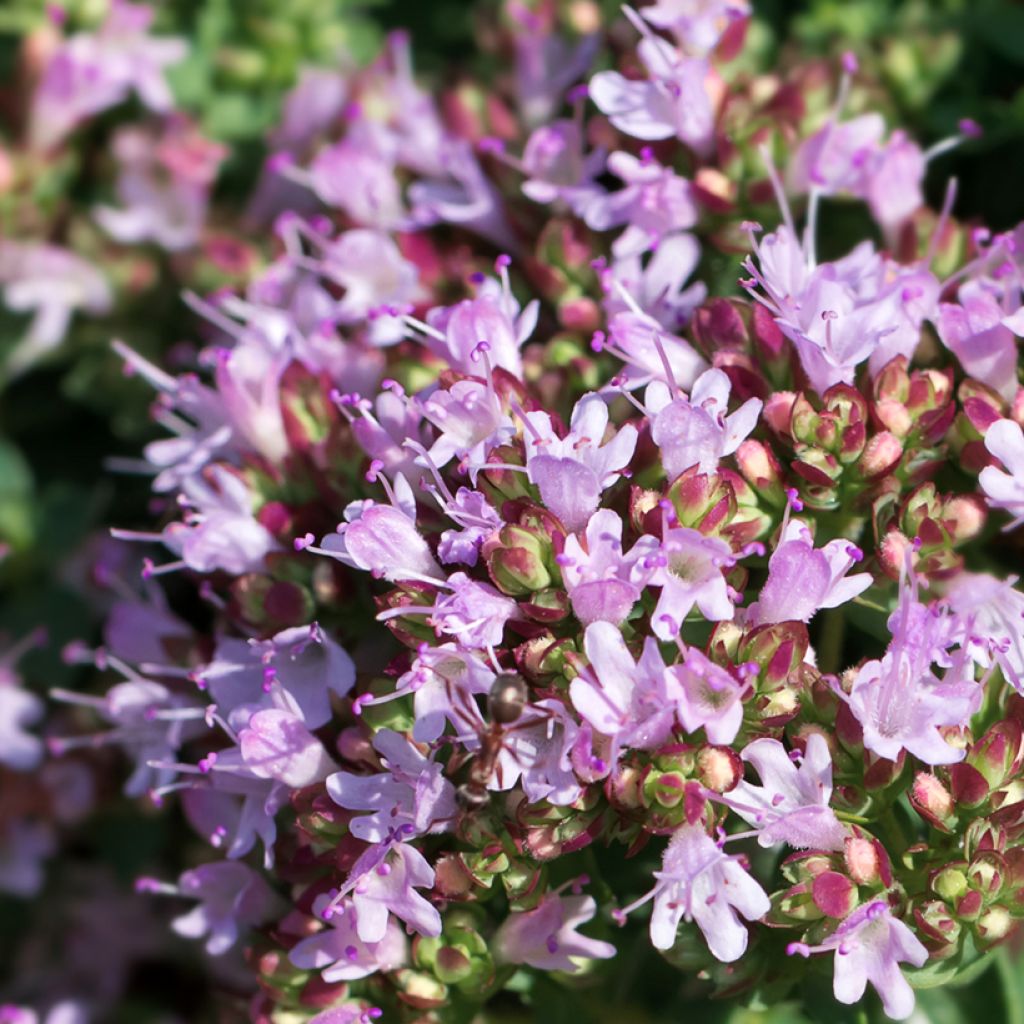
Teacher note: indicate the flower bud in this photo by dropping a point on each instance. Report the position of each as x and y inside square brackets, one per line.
[762, 470]
[938, 929]
[834, 894]
[517, 560]
[999, 753]
[705, 502]
[420, 990]
[881, 455]
[994, 925]
[778, 413]
[719, 768]
[950, 883]
[933, 801]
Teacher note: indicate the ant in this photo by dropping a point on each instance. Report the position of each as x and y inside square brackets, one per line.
[506, 701]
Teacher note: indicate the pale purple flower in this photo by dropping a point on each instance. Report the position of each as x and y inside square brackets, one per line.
[248, 378]
[699, 882]
[442, 678]
[276, 744]
[410, 798]
[791, 805]
[689, 569]
[493, 318]
[24, 846]
[870, 945]
[698, 25]
[538, 753]
[546, 64]
[50, 283]
[477, 521]
[230, 897]
[655, 203]
[470, 421]
[697, 431]
[991, 614]
[382, 540]
[640, 340]
[65, 1012]
[19, 710]
[310, 107]
[303, 661]
[355, 176]
[220, 530]
[603, 581]
[899, 701]
[148, 722]
[1005, 490]
[232, 808]
[339, 953]
[977, 330]
[707, 696]
[383, 429]
[894, 183]
[803, 579]
[475, 613]
[835, 158]
[198, 419]
[841, 314]
[657, 284]
[572, 471]
[464, 197]
[376, 277]
[384, 883]
[625, 700]
[90, 72]
[672, 101]
[547, 937]
[557, 170]
[163, 186]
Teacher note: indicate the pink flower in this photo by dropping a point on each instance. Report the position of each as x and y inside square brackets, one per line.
[338, 951]
[869, 946]
[626, 700]
[572, 471]
[163, 186]
[412, 797]
[383, 884]
[698, 25]
[899, 701]
[1005, 490]
[688, 568]
[655, 203]
[991, 613]
[707, 697]
[275, 744]
[657, 285]
[803, 579]
[672, 101]
[90, 72]
[696, 431]
[547, 937]
[792, 803]
[383, 540]
[699, 882]
[980, 334]
[602, 581]
[473, 612]
[230, 895]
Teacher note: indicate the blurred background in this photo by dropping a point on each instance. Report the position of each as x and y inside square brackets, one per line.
[67, 420]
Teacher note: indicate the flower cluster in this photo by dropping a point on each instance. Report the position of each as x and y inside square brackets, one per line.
[522, 555]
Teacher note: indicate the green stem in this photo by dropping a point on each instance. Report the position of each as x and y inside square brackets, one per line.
[830, 646]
